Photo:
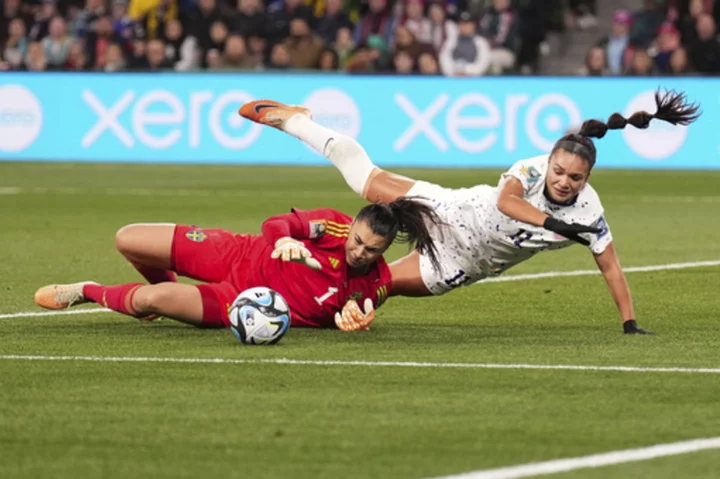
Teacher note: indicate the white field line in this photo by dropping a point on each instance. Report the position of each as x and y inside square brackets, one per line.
[401, 364]
[500, 279]
[595, 460]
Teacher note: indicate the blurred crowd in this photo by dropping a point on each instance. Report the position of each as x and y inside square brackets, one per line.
[430, 37]
[670, 37]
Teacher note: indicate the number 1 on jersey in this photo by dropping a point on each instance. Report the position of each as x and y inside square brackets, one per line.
[520, 236]
[331, 290]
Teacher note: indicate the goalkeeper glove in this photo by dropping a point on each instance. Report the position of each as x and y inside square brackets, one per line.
[352, 317]
[631, 327]
[569, 230]
[290, 249]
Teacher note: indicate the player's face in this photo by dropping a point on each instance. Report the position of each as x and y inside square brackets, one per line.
[567, 175]
[363, 247]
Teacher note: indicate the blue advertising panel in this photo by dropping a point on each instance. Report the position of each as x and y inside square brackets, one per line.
[401, 121]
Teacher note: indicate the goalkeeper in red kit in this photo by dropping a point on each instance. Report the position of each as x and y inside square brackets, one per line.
[323, 262]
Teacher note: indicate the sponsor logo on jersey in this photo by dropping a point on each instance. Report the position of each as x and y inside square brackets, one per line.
[317, 228]
[196, 236]
[334, 262]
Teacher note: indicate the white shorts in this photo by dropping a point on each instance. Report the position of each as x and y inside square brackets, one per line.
[456, 245]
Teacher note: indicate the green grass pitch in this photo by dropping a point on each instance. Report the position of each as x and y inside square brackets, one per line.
[70, 419]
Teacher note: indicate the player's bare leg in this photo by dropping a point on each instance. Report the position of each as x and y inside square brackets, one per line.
[349, 157]
[148, 247]
[407, 278]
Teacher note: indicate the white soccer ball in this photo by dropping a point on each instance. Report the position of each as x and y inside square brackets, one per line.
[259, 316]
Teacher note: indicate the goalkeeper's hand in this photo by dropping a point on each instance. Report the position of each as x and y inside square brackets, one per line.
[290, 249]
[352, 317]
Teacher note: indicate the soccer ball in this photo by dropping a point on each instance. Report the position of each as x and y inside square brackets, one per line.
[259, 316]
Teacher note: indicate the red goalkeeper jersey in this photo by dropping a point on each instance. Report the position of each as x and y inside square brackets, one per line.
[314, 296]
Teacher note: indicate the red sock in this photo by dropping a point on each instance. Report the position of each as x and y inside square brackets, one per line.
[118, 298]
[155, 275]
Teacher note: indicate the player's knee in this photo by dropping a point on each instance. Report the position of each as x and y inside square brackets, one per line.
[151, 299]
[124, 239]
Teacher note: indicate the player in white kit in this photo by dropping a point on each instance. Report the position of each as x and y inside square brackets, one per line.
[540, 204]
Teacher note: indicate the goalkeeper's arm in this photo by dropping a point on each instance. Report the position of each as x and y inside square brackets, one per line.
[284, 233]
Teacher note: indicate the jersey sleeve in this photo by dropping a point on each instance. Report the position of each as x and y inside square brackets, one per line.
[530, 172]
[601, 240]
[323, 222]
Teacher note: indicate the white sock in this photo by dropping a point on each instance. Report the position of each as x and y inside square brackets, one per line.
[344, 152]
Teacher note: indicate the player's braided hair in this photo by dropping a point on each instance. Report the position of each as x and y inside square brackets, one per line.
[672, 107]
[405, 220]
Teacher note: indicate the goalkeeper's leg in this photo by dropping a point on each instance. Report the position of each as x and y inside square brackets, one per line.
[363, 177]
[148, 247]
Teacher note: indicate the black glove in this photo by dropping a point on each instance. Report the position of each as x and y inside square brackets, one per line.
[569, 230]
[631, 327]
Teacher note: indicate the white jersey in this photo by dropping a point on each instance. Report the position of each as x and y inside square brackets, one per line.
[481, 241]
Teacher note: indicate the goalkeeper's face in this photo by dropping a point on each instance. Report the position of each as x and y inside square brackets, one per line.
[363, 247]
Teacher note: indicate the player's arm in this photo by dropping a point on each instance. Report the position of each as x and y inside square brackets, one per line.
[611, 270]
[283, 233]
[511, 202]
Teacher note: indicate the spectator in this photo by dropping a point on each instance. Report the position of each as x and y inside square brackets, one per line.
[279, 58]
[534, 21]
[440, 26]
[344, 45]
[376, 22]
[500, 26]
[403, 63]
[427, 64]
[235, 56]
[84, 22]
[688, 22]
[641, 63]
[617, 44]
[12, 10]
[370, 57]
[97, 41]
[155, 55]
[416, 22]
[123, 25]
[467, 54]
[645, 23]
[218, 35]
[77, 59]
[667, 42]
[137, 59]
[705, 54]
[329, 61]
[180, 50]
[35, 60]
[257, 48]
[15, 47]
[250, 19]
[679, 63]
[201, 19]
[332, 21]
[41, 25]
[114, 60]
[57, 43]
[303, 46]
[280, 15]
[405, 41]
[595, 63]
[213, 59]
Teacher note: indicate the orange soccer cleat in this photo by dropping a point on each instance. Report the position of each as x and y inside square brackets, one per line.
[271, 113]
[61, 296]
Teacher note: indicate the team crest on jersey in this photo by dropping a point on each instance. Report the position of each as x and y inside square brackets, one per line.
[317, 228]
[357, 296]
[334, 262]
[382, 294]
[531, 174]
[196, 236]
